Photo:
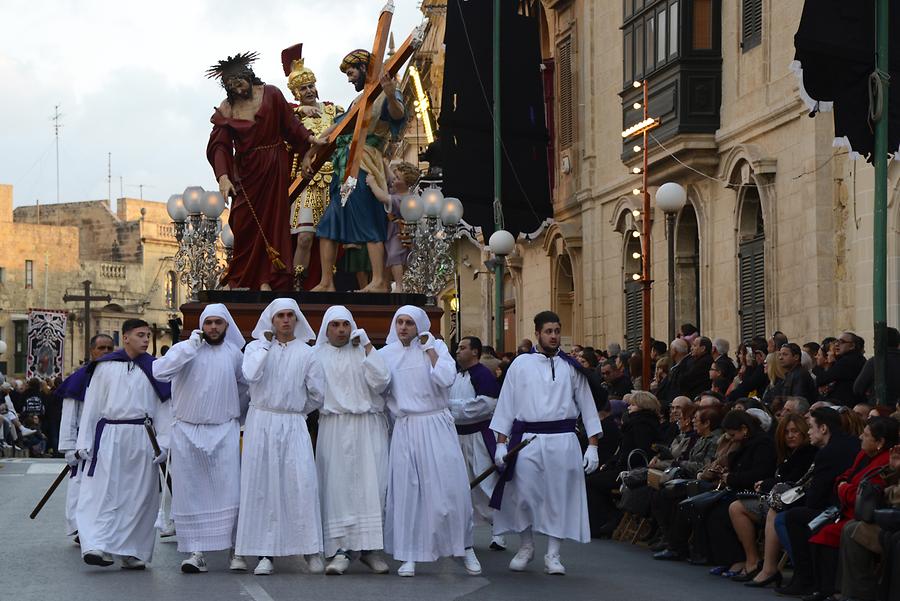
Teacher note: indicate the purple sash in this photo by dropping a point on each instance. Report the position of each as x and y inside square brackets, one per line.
[98, 433]
[560, 426]
[490, 441]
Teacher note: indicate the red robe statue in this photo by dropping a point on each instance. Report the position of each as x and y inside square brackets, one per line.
[256, 160]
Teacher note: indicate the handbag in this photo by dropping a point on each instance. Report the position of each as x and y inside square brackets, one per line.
[704, 501]
[869, 497]
[888, 519]
[829, 515]
[785, 494]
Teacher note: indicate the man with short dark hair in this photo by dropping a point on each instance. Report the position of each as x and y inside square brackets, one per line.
[864, 385]
[776, 341]
[119, 495]
[543, 488]
[524, 347]
[797, 381]
[617, 383]
[473, 397]
[71, 391]
[696, 379]
[842, 374]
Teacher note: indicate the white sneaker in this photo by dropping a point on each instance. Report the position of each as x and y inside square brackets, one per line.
[473, 566]
[237, 564]
[264, 567]
[407, 570]
[498, 543]
[552, 565]
[194, 564]
[168, 531]
[375, 562]
[338, 565]
[316, 563]
[97, 558]
[521, 559]
[132, 563]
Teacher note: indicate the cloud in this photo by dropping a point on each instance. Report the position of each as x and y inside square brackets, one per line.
[128, 78]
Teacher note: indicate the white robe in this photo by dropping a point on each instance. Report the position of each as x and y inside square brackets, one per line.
[466, 407]
[429, 508]
[205, 455]
[68, 438]
[352, 448]
[117, 505]
[547, 492]
[279, 512]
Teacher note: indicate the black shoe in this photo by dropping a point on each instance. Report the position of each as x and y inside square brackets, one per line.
[776, 578]
[667, 554]
[815, 597]
[748, 576]
[662, 545]
[697, 560]
[796, 588]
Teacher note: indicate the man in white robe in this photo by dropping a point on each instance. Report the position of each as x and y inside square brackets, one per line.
[543, 488]
[72, 391]
[279, 512]
[119, 494]
[473, 397]
[352, 445]
[429, 508]
[204, 453]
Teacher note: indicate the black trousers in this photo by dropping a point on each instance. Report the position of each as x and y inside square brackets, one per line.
[795, 522]
[889, 587]
[724, 547]
[825, 567]
[601, 505]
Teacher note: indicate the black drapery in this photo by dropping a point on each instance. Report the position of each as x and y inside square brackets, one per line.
[466, 143]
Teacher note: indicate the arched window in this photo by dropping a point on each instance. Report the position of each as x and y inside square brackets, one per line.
[751, 266]
[171, 290]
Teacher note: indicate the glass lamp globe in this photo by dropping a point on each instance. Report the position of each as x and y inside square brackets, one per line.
[671, 197]
[433, 199]
[411, 208]
[175, 208]
[193, 199]
[451, 211]
[227, 236]
[502, 243]
[213, 204]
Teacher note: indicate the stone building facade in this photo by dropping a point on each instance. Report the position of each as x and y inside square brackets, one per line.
[48, 251]
[777, 230]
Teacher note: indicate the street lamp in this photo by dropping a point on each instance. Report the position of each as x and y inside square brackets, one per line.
[671, 198]
[195, 214]
[502, 244]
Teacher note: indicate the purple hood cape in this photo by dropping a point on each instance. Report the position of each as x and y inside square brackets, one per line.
[483, 381]
[144, 361]
[75, 385]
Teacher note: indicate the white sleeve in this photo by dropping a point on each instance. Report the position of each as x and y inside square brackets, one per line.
[162, 423]
[505, 411]
[443, 371]
[480, 407]
[94, 404]
[376, 371]
[315, 386]
[166, 367]
[68, 424]
[255, 360]
[585, 401]
[243, 388]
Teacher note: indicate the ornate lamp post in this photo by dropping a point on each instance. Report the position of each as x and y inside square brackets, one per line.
[195, 214]
[671, 198]
[502, 244]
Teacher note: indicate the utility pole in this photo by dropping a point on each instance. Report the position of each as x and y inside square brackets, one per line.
[86, 298]
[56, 126]
[879, 285]
[498, 207]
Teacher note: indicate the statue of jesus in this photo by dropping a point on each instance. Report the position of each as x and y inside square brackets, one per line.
[252, 165]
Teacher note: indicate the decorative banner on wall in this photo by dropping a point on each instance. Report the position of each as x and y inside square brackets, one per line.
[46, 342]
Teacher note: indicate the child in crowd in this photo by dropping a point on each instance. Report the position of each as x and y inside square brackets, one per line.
[32, 438]
[401, 177]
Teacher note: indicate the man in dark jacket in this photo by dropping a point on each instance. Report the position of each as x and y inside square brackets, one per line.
[842, 374]
[727, 367]
[679, 353]
[864, 386]
[837, 450]
[797, 381]
[696, 379]
[754, 379]
[617, 383]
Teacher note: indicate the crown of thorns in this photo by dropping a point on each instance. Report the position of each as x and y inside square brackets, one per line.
[239, 62]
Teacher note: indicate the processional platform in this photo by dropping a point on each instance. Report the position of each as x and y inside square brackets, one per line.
[371, 311]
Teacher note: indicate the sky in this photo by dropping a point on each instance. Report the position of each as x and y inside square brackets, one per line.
[128, 78]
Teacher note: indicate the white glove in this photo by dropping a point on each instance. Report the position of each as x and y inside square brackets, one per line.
[196, 338]
[426, 341]
[591, 459]
[161, 458]
[72, 458]
[499, 454]
[359, 336]
[84, 454]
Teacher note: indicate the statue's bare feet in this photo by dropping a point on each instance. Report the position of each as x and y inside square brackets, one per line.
[225, 287]
[265, 287]
[376, 287]
[323, 287]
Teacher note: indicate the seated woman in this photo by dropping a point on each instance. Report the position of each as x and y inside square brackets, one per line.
[795, 456]
[682, 444]
[752, 461]
[865, 546]
[664, 503]
[879, 436]
[640, 429]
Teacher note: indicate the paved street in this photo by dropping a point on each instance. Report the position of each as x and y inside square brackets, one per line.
[40, 563]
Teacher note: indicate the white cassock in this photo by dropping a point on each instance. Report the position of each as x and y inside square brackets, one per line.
[117, 505]
[429, 508]
[68, 439]
[279, 494]
[547, 492]
[205, 453]
[352, 445]
[473, 397]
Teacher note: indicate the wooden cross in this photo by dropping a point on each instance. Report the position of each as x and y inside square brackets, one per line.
[87, 298]
[363, 105]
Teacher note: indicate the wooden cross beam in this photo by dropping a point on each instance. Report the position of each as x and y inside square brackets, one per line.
[87, 298]
[373, 88]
